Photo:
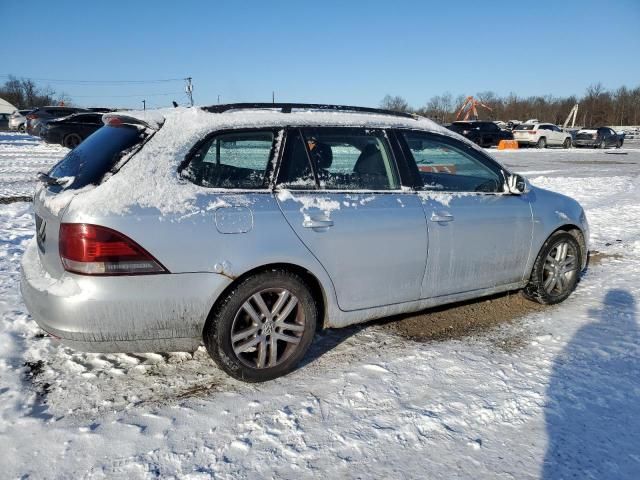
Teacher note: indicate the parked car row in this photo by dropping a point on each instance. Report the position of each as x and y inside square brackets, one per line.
[67, 126]
[534, 133]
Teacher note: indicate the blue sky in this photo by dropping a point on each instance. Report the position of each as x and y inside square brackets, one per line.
[330, 52]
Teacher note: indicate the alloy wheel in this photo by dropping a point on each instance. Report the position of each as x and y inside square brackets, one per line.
[267, 328]
[560, 267]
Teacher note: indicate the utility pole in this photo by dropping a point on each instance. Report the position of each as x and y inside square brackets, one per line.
[144, 104]
[189, 90]
[218, 99]
[273, 96]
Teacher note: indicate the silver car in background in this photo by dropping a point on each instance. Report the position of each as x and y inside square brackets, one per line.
[18, 120]
[247, 226]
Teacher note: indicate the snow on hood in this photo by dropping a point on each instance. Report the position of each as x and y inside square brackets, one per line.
[587, 130]
[150, 178]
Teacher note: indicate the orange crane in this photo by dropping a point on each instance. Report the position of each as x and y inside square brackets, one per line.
[469, 106]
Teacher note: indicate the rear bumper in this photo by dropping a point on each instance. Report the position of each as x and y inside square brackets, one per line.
[526, 141]
[585, 143]
[142, 313]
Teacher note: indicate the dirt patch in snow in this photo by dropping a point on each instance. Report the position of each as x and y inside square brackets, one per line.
[7, 200]
[463, 319]
[596, 257]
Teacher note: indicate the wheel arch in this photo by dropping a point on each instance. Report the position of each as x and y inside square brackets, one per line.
[317, 289]
[571, 229]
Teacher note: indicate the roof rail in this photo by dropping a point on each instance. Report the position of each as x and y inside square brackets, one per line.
[288, 107]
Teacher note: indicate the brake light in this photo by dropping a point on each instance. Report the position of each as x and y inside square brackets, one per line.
[32, 116]
[533, 132]
[113, 121]
[95, 250]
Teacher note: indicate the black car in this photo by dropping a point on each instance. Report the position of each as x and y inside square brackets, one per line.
[38, 118]
[600, 137]
[72, 130]
[485, 134]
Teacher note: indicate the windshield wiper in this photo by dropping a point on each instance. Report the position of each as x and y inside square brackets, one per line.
[48, 179]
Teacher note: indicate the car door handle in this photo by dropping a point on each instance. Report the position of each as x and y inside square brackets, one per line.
[441, 217]
[317, 222]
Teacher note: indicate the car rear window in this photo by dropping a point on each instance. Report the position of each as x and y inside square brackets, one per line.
[461, 125]
[95, 156]
[524, 127]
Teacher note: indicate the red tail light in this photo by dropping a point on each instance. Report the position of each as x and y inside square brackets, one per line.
[31, 116]
[95, 250]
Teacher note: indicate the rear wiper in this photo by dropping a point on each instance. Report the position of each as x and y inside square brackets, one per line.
[48, 179]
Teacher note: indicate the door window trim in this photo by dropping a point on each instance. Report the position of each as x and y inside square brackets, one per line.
[481, 157]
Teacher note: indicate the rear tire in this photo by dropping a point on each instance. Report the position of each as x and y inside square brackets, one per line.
[263, 327]
[72, 140]
[22, 128]
[602, 144]
[556, 271]
[542, 143]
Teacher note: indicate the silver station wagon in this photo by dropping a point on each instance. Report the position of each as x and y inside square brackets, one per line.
[247, 227]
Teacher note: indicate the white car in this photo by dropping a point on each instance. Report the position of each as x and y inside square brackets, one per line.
[541, 135]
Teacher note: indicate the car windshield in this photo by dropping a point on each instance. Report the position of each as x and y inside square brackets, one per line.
[94, 157]
[524, 127]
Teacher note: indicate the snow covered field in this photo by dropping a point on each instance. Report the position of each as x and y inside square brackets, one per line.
[553, 394]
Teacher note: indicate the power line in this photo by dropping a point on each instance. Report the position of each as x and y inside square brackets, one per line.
[128, 96]
[98, 82]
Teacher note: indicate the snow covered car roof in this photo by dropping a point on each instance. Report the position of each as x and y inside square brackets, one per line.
[153, 170]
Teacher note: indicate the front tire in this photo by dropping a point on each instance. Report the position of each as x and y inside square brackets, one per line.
[567, 143]
[263, 327]
[556, 270]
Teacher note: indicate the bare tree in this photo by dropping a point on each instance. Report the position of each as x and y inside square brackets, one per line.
[598, 106]
[24, 93]
[396, 103]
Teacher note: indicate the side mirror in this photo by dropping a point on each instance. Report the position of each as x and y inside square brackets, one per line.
[517, 184]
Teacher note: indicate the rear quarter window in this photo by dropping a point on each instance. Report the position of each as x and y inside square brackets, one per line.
[234, 160]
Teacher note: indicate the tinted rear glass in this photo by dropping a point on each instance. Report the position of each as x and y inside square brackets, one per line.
[460, 126]
[524, 127]
[89, 161]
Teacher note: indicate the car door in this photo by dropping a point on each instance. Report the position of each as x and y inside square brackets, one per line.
[548, 133]
[479, 235]
[340, 191]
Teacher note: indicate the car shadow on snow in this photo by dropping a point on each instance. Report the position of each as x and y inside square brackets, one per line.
[593, 398]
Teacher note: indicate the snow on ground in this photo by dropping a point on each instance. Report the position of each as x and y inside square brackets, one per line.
[21, 158]
[555, 394]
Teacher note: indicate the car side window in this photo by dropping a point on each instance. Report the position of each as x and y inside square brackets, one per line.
[238, 160]
[338, 159]
[448, 165]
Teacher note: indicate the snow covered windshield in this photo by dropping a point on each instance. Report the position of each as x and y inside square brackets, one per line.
[93, 158]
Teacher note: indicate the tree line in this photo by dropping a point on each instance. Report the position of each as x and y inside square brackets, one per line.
[24, 93]
[598, 106]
